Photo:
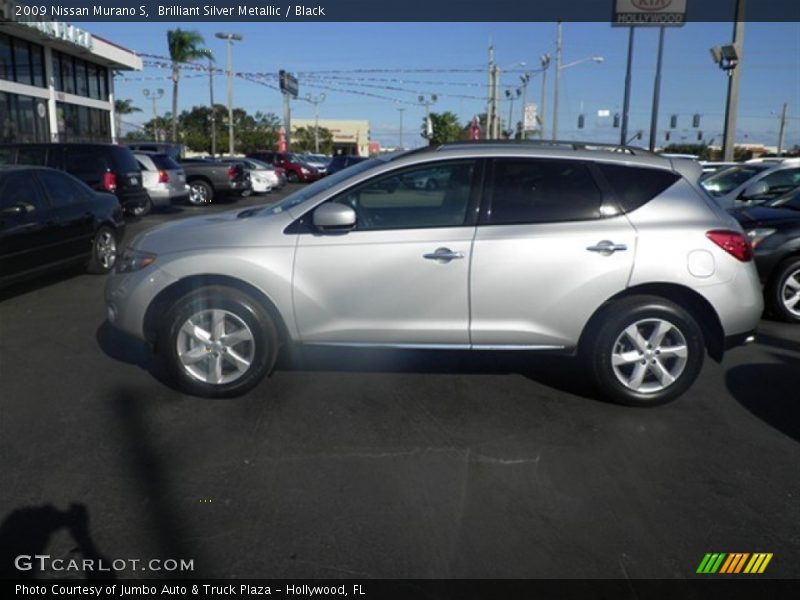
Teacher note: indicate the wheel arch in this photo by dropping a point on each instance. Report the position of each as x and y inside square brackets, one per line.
[167, 297]
[695, 304]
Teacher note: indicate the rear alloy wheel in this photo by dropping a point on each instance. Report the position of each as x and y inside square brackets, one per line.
[647, 351]
[143, 208]
[783, 292]
[104, 251]
[292, 177]
[200, 193]
[218, 342]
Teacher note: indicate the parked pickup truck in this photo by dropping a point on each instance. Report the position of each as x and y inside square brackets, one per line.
[211, 180]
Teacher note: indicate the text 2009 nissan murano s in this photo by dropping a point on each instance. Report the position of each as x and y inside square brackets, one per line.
[619, 258]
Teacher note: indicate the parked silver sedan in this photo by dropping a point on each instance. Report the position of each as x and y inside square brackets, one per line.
[163, 178]
[618, 258]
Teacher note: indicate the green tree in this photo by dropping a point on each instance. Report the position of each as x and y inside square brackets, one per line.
[303, 140]
[701, 150]
[121, 108]
[184, 46]
[446, 128]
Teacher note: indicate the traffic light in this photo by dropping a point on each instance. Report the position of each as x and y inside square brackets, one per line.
[699, 136]
[616, 120]
[696, 121]
[666, 136]
[581, 121]
[673, 121]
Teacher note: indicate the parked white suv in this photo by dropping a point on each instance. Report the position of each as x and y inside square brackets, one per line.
[620, 258]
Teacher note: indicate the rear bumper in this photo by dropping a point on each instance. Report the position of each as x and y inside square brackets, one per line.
[134, 200]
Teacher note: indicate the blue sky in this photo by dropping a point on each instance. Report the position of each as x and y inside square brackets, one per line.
[691, 82]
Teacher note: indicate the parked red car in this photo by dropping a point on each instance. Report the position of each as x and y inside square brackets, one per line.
[296, 169]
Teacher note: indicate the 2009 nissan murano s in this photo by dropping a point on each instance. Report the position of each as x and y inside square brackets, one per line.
[616, 256]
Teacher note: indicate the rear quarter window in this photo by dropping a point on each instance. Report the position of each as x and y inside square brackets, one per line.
[636, 186]
[162, 161]
[124, 160]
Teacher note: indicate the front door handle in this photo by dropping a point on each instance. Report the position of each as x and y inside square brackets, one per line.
[607, 247]
[443, 255]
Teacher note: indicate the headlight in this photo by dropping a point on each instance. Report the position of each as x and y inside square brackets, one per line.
[134, 260]
[304, 171]
[756, 236]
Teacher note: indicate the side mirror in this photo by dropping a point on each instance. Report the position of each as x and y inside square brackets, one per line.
[754, 190]
[333, 216]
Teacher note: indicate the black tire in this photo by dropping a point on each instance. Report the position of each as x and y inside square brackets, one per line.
[782, 289]
[607, 343]
[104, 251]
[292, 177]
[200, 193]
[261, 349]
[142, 209]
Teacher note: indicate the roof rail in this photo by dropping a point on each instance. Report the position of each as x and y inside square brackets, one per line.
[574, 145]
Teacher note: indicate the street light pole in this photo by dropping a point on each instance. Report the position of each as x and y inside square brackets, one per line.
[732, 104]
[154, 95]
[558, 81]
[213, 112]
[656, 91]
[316, 101]
[427, 104]
[230, 37]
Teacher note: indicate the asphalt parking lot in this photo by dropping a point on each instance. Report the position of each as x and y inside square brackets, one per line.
[384, 464]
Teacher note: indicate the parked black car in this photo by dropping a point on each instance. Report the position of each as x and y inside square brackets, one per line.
[774, 232]
[103, 167]
[342, 161]
[49, 219]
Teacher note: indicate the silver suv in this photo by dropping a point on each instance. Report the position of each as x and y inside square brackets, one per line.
[616, 257]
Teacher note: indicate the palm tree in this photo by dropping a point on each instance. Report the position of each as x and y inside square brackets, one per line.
[184, 46]
[123, 107]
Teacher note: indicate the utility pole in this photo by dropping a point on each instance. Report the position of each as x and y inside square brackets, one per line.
[545, 62]
[656, 90]
[558, 81]
[729, 135]
[427, 104]
[525, 79]
[626, 103]
[154, 95]
[490, 95]
[316, 101]
[230, 37]
[213, 112]
[782, 131]
[401, 127]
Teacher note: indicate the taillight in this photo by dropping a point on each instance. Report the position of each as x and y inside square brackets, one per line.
[110, 182]
[734, 243]
[163, 176]
[231, 172]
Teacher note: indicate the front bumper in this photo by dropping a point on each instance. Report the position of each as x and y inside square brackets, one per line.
[128, 295]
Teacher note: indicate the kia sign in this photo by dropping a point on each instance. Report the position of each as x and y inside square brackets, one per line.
[661, 13]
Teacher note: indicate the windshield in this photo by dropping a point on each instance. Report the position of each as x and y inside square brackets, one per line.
[323, 184]
[728, 180]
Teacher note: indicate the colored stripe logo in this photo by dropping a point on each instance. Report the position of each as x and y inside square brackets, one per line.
[734, 563]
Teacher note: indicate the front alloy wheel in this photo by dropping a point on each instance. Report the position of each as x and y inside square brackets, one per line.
[104, 251]
[217, 342]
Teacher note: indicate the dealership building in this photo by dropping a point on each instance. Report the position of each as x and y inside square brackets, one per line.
[349, 137]
[57, 83]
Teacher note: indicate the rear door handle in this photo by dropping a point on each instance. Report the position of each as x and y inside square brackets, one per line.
[607, 247]
[443, 254]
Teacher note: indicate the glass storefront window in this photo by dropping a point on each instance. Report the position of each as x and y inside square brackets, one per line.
[94, 84]
[81, 83]
[6, 58]
[22, 61]
[37, 65]
[22, 119]
[68, 74]
[83, 124]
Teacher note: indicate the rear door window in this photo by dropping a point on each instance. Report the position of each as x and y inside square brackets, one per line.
[21, 189]
[541, 191]
[62, 190]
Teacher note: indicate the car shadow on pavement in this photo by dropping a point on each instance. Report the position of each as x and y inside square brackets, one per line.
[769, 390]
[27, 532]
[123, 347]
[43, 281]
[553, 371]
